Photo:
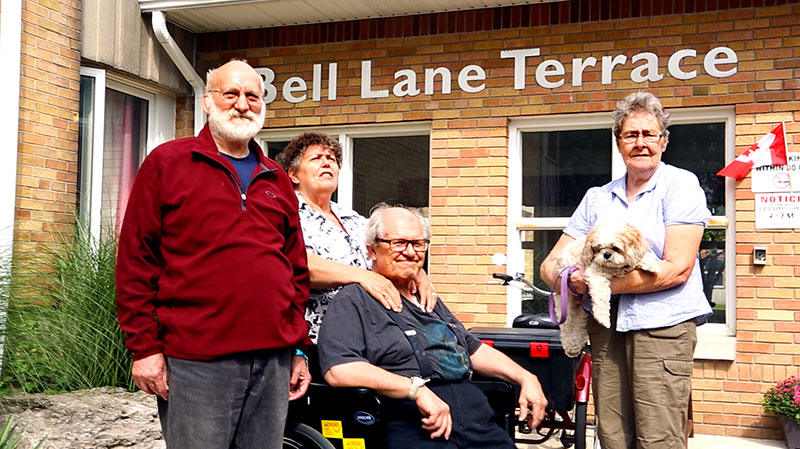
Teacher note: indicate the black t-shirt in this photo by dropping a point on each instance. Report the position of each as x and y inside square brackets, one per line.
[356, 327]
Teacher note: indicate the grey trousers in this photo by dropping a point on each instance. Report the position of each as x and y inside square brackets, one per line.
[641, 382]
[234, 402]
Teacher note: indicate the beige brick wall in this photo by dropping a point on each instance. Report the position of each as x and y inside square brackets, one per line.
[48, 123]
[469, 158]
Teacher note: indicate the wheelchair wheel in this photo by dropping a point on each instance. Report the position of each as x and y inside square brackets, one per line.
[580, 425]
[301, 436]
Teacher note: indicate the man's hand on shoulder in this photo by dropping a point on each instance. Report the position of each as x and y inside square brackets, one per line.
[150, 375]
[436, 413]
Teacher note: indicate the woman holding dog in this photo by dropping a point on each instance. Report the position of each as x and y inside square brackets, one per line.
[643, 362]
[334, 236]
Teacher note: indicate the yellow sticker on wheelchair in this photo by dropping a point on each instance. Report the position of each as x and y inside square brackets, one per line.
[354, 443]
[332, 429]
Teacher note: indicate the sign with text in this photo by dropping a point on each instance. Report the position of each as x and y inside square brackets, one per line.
[777, 210]
[646, 67]
[777, 178]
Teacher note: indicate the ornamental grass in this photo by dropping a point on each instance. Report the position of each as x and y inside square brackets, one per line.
[61, 328]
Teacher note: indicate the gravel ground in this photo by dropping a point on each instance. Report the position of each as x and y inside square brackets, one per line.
[98, 418]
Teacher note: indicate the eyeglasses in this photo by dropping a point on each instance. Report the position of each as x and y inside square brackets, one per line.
[647, 136]
[231, 96]
[400, 245]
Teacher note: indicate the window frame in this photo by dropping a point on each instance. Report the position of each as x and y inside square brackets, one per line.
[517, 223]
[346, 134]
[160, 128]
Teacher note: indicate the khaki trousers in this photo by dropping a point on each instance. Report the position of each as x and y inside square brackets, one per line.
[641, 382]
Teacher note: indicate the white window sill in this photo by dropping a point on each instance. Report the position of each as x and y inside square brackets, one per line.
[715, 347]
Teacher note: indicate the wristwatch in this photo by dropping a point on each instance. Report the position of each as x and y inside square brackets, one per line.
[416, 383]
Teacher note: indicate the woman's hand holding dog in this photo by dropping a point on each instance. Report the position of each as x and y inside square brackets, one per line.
[577, 284]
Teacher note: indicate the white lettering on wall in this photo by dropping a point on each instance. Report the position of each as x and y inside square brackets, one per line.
[316, 84]
[650, 65]
[366, 83]
[578, 66]
[471, 73]
[270, 92]
[292, 85]
[719, 62]
[332, 70]
[407, 86]
[551, 67]
[711, 60]
[519, 63]
[674, 64]
[430, 75]
[608, 64]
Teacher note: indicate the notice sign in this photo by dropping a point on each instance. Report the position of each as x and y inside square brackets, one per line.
[777, 178]
[777, 210]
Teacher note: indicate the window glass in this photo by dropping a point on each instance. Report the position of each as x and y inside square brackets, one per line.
[712, 267]
[559, 166]
[124, 150]
[535, 247]
[275, 148]
[85, 143]
[700, 148]
[391, 169]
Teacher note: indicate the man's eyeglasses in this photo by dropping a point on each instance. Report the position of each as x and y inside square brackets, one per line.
[231, 96]
[647, 136]
[400, 245]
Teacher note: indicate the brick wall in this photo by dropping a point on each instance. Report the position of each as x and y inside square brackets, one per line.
[184, 117]
[48, 122]
[469, 140]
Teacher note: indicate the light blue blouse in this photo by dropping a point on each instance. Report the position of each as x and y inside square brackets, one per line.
[672, 196]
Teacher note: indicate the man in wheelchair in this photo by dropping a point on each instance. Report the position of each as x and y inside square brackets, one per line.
[421, 362]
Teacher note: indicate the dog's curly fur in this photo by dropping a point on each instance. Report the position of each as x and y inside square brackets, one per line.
[607, 251]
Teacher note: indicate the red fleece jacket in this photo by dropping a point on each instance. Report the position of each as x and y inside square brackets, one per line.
[203, 269]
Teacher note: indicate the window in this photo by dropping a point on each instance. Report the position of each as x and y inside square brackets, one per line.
[123, 152]
[380, 163]
[560, 159]
[392, 169]
[119, 125]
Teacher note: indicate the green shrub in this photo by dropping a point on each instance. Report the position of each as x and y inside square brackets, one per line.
[61, 331]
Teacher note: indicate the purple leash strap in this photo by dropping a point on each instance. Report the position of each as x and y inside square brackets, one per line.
[565, 287]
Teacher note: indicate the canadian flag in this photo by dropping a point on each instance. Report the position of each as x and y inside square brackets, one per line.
[769, 150]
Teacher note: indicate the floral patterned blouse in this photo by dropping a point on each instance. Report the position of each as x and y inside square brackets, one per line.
[326, 239]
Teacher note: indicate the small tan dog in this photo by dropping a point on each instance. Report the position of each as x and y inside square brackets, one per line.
[607, 251]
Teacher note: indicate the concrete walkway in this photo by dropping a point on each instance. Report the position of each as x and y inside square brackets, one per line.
[718, 442]
[696, 442]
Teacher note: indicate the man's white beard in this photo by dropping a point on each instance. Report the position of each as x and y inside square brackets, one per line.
[233, 126]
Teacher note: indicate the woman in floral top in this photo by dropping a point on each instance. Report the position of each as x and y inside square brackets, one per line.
[334, 236]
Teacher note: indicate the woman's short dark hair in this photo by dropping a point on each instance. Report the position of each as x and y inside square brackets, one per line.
[291, 155]
[640, 102]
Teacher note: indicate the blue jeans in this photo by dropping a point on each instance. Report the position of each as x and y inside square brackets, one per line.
[233, 402]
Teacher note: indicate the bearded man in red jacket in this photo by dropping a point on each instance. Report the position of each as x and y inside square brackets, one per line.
[212, 278]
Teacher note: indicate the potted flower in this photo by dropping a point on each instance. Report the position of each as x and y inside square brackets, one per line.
[784, 400]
